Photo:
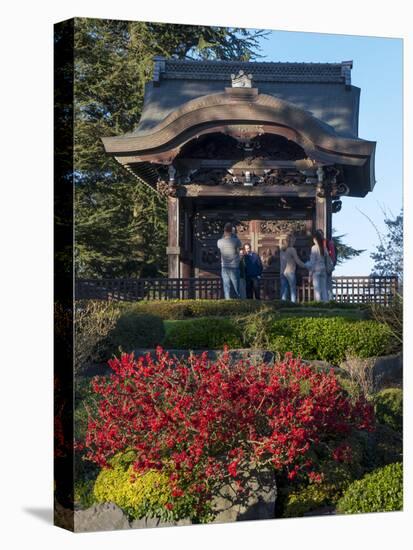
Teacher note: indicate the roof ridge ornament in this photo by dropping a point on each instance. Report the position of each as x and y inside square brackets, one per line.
[346, 67]
[241, 80]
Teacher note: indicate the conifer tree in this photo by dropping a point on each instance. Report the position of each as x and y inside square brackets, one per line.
[120, 224]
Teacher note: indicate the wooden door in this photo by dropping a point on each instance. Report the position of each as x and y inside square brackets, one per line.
[264, 235]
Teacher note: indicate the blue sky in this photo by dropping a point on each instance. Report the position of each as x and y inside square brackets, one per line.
[378, 71]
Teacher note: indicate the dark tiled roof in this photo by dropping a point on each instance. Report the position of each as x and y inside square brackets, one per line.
[261, 71]
[322, 89]
[315, 99]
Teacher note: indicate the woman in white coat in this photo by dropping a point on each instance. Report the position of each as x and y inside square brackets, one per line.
[288, 264]
[318, 269]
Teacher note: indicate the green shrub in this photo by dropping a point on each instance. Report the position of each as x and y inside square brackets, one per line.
[337, 477]
[203, 333]
[333, 305]
[329, 339]
[372, 450]
[355, 314]
[388, 406]
[136, 330]
[314, 496]
[189, 309]
[386, 446]
[392, 316]
[144, 497]
[379, 491]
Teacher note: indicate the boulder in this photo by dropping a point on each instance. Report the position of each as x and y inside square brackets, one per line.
[256, 502]
[101, 517]
[388, 370]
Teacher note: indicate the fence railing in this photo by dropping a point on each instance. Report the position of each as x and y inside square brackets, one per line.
[354, 290]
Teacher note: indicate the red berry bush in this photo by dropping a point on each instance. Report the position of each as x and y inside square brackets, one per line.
[204, 423]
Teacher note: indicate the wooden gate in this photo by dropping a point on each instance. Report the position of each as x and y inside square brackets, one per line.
[264, 235]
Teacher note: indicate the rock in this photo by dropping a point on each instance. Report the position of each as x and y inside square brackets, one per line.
[258, 502]
[388, 370]
[101, 517]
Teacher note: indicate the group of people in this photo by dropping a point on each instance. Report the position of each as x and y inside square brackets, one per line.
[241, 268]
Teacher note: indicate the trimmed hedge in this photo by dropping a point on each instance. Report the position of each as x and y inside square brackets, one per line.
[388, 406]
[136, 330]
[247, 323]
[380, 491]
[203, 333]
[189, 309]
[328, 339]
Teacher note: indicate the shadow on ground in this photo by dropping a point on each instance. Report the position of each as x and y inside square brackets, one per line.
[44, 514]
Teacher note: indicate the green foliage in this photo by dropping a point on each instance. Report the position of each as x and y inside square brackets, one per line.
[202, 333]
[327, 305]
[117, 216]
[144, 497]
[369, 451]
[136, 330]
[388, 257]
[376, 449]
[239, 323]
[313, 496]
[344, 251]
[379, 491]
[185, 309]
[385, 445]
[84, 495]
[328, 339]
[337, 476]
[392, 317]
[388, 405]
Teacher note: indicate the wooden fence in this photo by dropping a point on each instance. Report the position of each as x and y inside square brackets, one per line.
[354, 290]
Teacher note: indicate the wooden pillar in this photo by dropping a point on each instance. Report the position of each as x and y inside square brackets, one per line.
[321, 213]
[329, 216]
[323, 208]
[186, 244]
[173, 249]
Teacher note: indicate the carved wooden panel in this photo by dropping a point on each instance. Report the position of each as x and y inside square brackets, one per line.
[265, 237]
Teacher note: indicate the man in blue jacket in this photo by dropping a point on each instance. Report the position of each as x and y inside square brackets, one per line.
[253, 272]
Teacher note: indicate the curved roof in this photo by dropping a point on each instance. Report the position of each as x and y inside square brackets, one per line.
[313, 104]
[238, 105]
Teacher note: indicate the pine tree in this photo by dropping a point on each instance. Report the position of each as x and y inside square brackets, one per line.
[388, 257]
[344, 251]
[116, 216]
